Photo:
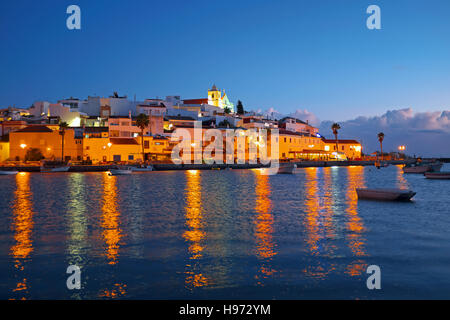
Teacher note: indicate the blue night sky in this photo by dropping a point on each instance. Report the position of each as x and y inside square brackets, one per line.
[315, 55]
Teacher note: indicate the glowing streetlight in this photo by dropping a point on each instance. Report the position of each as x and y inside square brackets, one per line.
[23, 145]
[401, 148]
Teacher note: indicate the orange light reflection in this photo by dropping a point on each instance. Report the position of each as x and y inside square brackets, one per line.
[112, 233]
[194, 233]
[22, 226]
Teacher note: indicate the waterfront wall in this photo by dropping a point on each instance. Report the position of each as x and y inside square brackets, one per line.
[168, 166]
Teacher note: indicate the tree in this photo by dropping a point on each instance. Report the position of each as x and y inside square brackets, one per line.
[224, 124]
[142, 122]
[62, 131]
[34, 154]
[240, 107]
[381, 138]
[227, 110]
[335, 127]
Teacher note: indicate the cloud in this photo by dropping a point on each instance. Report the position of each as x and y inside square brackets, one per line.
[423, 133]
[304, 115]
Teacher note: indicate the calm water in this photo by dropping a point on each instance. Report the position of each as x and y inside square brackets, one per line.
[222, 234]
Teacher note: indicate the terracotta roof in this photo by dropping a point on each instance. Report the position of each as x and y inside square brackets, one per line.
[340, 141]
[35, 129]
[196, 101]
[123, 141]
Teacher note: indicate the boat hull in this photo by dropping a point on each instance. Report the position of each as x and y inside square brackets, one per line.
[437, 175]
[385, 194]
[145, 169]
[287, 169]
[119, 172]
[8, 173]
[423, 168]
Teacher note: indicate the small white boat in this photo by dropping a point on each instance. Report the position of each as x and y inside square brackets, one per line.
[288, 168]
[385, 194]
[8, 172]
[437, 175]
[422, 167]
[143, 168]
[55, 169]
[120, 171]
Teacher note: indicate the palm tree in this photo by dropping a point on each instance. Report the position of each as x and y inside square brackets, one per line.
[381, 138]
[62, 131]
[142, 122]
[335, 127]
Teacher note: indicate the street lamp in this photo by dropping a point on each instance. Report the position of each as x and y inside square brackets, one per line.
[109, 151]
[23, 145]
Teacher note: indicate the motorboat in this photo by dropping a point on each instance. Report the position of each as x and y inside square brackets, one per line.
[144, 168]
[381, 164]
[120, 171]
[288, 168]
[437, 175]
[55, 169]
[385, 194]
[420, 167]
[8, 172]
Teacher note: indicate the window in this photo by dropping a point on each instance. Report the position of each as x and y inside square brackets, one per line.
[130, 157]
[87, 147]
[284, 139]
[342, 147]
[146, 144]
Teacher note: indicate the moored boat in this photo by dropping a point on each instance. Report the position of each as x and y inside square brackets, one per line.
[287, 168]
[120, 171]
[437, 175]
[144, 168]
[55, 169]
[381, 164]
[385, 194]
[422, 167]
[8, 172]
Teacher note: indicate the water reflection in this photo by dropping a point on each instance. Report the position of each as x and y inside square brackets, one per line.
[23, 228]
[401, 182]
[331, 215]
[354, 222]
[77, 220]
[319, 226]
[194, 233]
[112, 233]
[265, 246]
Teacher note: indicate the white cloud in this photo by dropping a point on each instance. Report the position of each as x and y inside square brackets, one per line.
[304, 115]
[423, 133]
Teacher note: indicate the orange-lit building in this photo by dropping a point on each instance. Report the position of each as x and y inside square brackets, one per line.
[352, 149]
[48, 141]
